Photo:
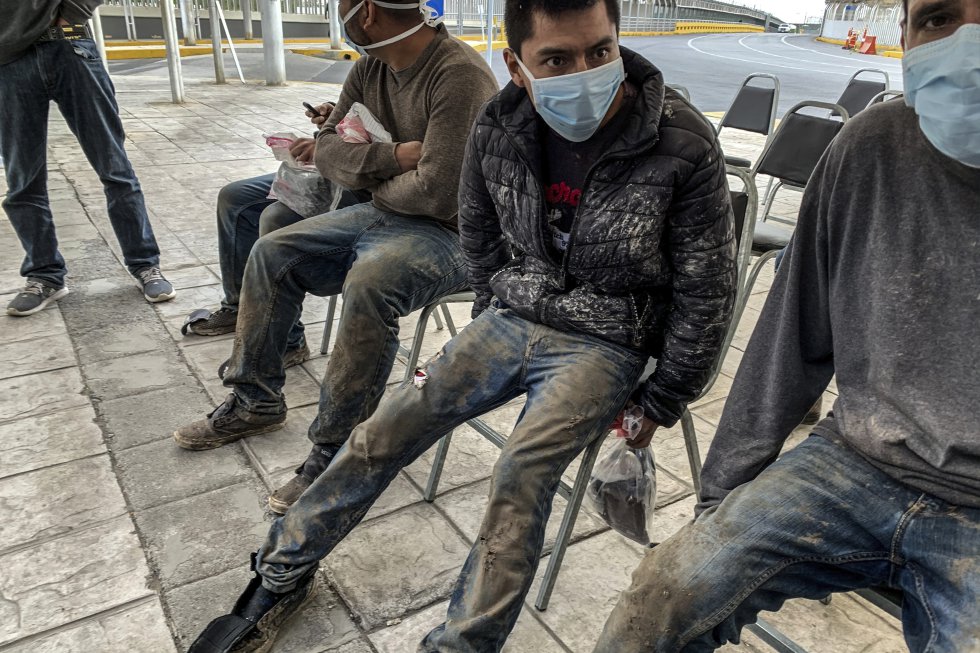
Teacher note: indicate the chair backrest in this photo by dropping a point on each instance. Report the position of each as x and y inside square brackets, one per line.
[858, 93]
[754, 107]
[681, 90]
[796, 147]
[885, 96]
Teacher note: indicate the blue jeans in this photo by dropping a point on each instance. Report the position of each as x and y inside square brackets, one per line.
[819, 520]
[385, 265]
[245, 213]
[575, 386]
[71, 74]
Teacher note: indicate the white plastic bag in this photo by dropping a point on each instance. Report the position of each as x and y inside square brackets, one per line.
[623, 490]
[300, 186]
[360, 126]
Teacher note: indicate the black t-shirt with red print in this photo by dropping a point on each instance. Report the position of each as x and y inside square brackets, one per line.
[567, 164]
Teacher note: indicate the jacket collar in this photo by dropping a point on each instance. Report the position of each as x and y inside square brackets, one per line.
[516, 115]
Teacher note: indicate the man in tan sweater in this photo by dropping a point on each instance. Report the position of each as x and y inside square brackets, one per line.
[389, 256]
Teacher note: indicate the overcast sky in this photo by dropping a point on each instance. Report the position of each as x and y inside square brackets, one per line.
[794, 11]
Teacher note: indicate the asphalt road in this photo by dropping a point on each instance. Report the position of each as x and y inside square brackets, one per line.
[712, 66]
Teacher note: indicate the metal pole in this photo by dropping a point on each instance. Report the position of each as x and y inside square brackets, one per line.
[129, 19]
[187, 24]
[273, 47]
[173, 51]
[334, 10]
[231, 43]
[489, 32]
[219, 63]
[247, 18]
[459, 17]
[99, 36]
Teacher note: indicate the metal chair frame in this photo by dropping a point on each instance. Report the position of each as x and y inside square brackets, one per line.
[854, 78]
[885, 96]
[774, 107]
[773, 141]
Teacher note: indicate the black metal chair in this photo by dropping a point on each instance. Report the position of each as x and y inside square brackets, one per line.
[795, 148]
[886, 96]
[858, 93]
[681, 90]
[753, 110]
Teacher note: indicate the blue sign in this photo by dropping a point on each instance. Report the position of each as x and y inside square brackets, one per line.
[438, 5]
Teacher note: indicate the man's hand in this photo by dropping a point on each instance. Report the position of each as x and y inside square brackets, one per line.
[60, 22]
[303, 149]
[647, 428]
[408, 155]
[324, 111]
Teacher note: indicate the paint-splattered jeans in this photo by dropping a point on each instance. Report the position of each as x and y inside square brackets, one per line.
[385, 265]
[575, 386]
[246, 213]
[819, 520]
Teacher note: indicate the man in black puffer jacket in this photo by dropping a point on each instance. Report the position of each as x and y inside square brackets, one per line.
[599, 216]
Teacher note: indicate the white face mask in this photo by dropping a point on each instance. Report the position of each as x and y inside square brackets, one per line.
[942, 84]
[575, 105]
[430, 18]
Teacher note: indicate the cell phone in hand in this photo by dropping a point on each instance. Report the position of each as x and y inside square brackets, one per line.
[309, 107]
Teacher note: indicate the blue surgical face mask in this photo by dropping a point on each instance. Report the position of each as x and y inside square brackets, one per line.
[430, 19]
[942, 84]
[575, 105]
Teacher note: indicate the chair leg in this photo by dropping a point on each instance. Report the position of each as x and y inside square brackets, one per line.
[413, 354]
[446, 315]
[432, 486]
[770, 199]
[693, 450]
[439, 325]
[328, 326]
[567, 524]
[775, 639]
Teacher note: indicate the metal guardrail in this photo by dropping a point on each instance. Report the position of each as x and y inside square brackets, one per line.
[471, 13]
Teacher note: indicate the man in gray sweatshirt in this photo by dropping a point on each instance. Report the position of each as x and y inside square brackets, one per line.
[47, 54]
[881, 287]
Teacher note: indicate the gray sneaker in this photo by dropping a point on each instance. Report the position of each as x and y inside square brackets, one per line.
[34, 297]
[155, 287]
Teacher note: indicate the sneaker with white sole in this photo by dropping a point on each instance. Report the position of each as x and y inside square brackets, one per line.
[154, 286]
[35, 297]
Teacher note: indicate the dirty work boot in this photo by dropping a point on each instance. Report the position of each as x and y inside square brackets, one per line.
[295, 356]
[225, 424]
[815, 414]
[256, 618]
[316, 463]
[155, 288]
[203, 322]
[35, 296]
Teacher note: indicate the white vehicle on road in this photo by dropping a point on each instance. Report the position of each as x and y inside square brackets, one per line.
[786, 27]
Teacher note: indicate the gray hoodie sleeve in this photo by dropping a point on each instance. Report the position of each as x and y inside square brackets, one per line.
[77, 12]
[790, 358]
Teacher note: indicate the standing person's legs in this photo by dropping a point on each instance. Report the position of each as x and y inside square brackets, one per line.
[400, 265]
[575, 385]
[24, 86]
[86, 98]
[818, 520]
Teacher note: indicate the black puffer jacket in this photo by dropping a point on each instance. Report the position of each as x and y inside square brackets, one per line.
[651, 260]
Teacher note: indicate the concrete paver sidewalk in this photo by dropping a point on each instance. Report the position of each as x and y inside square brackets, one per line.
[114, 540]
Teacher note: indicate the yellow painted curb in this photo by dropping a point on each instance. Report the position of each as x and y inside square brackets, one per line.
[153, 52]
[332, 55]
[894, 54]
[883, 50]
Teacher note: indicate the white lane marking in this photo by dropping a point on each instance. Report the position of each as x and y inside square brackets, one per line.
[756, 62]
[741, 42]
[837, 56]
